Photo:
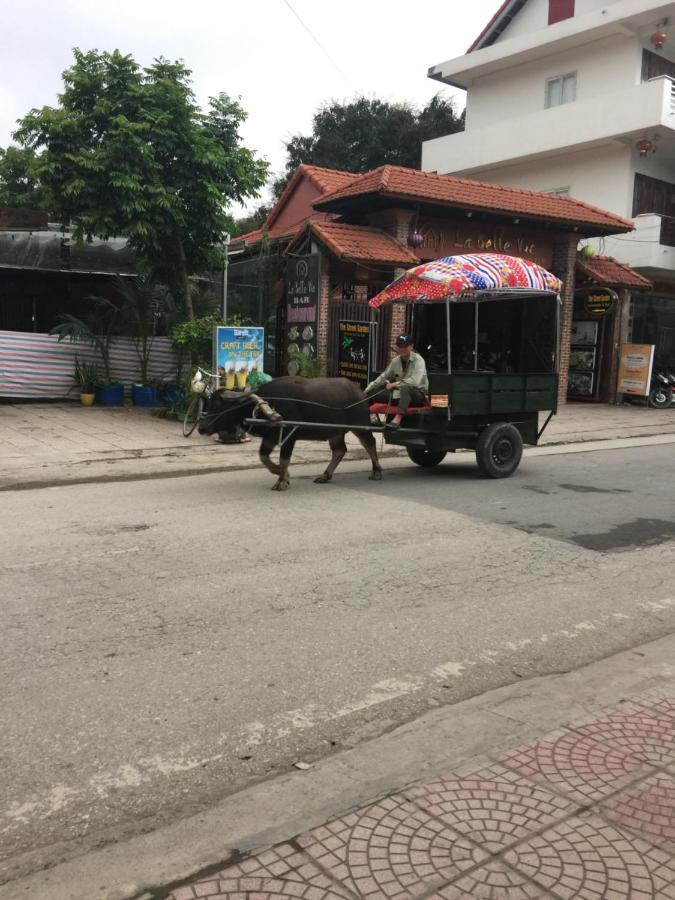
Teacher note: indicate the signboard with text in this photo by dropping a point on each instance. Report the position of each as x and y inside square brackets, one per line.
[238, 353]
[302, 302]
[635, 369]
[354, 352]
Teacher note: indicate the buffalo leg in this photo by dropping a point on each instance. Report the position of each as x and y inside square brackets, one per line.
[368, 443]
[338, 449]
[266, 448]
[285, 454]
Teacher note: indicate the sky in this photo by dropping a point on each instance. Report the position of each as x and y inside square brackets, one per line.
[257, 50]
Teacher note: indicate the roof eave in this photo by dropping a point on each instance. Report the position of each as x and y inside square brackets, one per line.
[584, 228]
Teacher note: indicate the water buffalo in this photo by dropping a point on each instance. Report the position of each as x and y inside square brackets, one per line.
[330, 400]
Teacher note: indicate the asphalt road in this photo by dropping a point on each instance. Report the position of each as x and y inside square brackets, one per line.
[168, 641]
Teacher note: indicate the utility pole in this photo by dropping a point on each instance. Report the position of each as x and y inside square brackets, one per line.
[226, 248]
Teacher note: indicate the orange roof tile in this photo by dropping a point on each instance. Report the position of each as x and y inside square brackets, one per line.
[446, 190]
[326, 180]
[610, 272]
[254, 237]
[361, 243]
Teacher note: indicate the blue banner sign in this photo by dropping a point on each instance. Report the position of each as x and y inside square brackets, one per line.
[238, 354]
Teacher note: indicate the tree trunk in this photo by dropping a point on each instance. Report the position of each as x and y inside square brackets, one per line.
[182, 283]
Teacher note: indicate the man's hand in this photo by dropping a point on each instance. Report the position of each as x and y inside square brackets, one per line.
[391, 386]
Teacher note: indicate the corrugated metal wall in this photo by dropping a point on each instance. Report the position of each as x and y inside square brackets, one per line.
[37, 366]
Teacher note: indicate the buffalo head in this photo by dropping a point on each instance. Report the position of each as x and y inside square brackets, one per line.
[224, 410]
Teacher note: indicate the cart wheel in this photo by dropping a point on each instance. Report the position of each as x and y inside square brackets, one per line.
[425, 458]
[192, 415]
[499, 450]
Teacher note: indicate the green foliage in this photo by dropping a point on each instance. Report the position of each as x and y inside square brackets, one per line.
[97, 329]
[366, 133]
[251, 222]
[19, 185]
[195, 337]
[308, 367]
[143, 302]
[128, 152]
[86, 376]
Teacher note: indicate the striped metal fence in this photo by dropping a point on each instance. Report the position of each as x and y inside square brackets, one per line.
[38, 366]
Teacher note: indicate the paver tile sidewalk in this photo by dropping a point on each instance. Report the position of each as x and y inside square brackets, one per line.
[586, 812]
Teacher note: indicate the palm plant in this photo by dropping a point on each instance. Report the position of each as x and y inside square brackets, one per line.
[97, 329]
[86, 376]
[144, 302]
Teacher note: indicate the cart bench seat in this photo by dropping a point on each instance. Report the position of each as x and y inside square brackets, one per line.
[386, 409]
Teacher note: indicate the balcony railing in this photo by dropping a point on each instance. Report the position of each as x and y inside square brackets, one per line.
[667, 236]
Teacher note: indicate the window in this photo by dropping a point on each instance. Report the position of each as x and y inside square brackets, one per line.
[559, 10]
[651, 195]
[561, 89]
[654, 66]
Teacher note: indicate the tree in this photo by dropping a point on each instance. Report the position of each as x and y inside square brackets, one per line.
[19, 185]
[364, 134]
[128, 152]
[251, 222]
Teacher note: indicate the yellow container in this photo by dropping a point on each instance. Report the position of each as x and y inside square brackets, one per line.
[229, 381]
[242, 375]
[87, 399]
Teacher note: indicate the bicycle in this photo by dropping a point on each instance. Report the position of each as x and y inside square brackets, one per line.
[201, 391]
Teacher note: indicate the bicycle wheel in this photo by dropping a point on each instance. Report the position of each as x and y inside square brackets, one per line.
[192, 415]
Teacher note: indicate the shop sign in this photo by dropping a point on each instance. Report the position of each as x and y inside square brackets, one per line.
[448, 239]
[354, 352]
[302, 301]
[635, 369]
[598, 301]
[238, 353]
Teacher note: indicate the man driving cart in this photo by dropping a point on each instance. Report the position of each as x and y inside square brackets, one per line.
[405, 379]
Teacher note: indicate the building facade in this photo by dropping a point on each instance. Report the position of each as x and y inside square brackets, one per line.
[334, 240]
[576, 98]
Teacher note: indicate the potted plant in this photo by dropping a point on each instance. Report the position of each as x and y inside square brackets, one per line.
[97, 330]
[86, 376]
[143, 304]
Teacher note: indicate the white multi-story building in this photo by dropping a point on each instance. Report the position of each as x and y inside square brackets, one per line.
[577, 97]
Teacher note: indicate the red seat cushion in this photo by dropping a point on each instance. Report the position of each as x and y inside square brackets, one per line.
[393, 410]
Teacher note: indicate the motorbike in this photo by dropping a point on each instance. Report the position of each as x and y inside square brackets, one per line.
[661, 390]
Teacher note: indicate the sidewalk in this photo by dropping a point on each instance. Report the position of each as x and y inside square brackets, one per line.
[65, 443]
[560, 787]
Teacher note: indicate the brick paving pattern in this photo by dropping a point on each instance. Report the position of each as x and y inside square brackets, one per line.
[587, 812]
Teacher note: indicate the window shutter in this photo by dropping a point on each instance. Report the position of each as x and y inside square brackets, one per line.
[559, 10]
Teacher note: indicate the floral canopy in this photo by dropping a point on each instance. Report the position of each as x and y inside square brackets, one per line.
[466, 277]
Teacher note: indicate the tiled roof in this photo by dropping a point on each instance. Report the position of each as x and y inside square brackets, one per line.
[446, 190]
[326, 180]
[610, 272]
[497, 23]
[253, 237]
[361, 243]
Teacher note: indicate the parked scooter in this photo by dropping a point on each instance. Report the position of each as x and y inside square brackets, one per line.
[661, 390]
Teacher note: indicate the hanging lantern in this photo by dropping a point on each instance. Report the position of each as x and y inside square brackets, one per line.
[644, 146]
[659, 37]
[415, 239]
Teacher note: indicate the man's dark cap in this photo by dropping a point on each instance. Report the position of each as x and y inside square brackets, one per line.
[404, 340]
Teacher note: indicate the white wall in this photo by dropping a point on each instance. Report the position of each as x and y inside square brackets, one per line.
[606, 66]
[534, 15]
[601, 177]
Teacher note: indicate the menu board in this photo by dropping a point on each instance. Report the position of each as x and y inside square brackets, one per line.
[302, 301]
[354, 352]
